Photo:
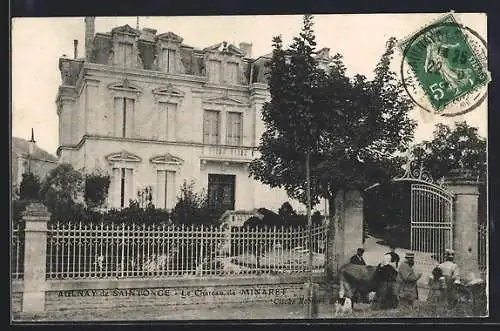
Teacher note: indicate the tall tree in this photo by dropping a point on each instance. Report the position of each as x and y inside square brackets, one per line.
[292, 132]
[459, 148]
[62, 191]
[351, 127]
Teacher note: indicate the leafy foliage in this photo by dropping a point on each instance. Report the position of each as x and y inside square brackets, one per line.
[96, 189]
[18, 207]
[145, 197]
[193, 208]
[29, 189]
[458, 148]
[351, 128]
[61, 192]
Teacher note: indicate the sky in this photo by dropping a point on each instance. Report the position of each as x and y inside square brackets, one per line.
[38, 43]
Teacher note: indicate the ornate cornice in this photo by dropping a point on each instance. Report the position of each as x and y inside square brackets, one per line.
[148, 74]
[166, 159]
[225, 99]
[137, 140]
[122, 156]
[125, 86]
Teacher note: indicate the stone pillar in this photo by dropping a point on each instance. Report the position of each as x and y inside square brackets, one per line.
[345, 230]
[465, 225]
[338, 238]
[35, 217]
[353, 223]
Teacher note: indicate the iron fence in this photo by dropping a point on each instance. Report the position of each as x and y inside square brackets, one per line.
[482, 250]
[99, 250]
[17, 251]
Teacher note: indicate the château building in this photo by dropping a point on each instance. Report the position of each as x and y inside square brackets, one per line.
[152, 111]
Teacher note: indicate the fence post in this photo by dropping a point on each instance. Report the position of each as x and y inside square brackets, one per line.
[35, 217]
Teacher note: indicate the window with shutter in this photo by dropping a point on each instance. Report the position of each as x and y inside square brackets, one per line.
[232, 73]
[211, 126]
[214, 71]
[121, 187]
[169, 60]
[125, 55]
[233, 129]
[123, 117]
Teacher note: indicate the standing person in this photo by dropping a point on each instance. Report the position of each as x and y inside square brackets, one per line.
[391, 258]
[437, 291]
[408, 280]
[451, 274]
[358, 257]
[387, 296]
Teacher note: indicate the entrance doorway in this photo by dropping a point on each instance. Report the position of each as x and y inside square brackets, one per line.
[221, 191]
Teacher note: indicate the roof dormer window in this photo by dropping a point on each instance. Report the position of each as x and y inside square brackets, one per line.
[125, 55]
[169, 60]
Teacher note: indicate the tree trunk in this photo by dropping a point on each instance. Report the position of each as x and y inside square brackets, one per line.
[331, 232]
[308, 211]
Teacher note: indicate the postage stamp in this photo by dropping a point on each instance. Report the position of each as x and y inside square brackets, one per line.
[444, 67]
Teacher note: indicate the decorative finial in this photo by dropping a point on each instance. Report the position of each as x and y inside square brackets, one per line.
[32, 136]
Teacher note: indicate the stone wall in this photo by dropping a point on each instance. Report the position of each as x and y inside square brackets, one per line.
[118, 293]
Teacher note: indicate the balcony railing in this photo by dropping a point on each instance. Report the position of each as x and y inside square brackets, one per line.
[228, 153]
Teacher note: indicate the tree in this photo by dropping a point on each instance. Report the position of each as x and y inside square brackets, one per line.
[29, 189]
[459, 148]
[350, 128]
[96, 189]
[193, 209]
[61, 191]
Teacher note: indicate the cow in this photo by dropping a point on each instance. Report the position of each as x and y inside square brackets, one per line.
[358, 282]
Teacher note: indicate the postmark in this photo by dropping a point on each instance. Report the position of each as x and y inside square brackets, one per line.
[444, 67]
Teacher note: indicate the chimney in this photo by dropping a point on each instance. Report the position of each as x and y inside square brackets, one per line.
[247, 49]
[75, 48]
[89, 35]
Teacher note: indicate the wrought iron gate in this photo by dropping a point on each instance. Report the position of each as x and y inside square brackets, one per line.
[431, 222]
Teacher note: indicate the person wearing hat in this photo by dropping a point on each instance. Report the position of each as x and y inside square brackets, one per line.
[449, 267]
[386, 279]
[451, 275]
[408, 291]
[358, 257]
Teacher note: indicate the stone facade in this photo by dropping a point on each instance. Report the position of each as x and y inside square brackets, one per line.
[155, 112]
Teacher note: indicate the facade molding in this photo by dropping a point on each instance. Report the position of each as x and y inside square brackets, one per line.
[86, 138]
[122, 156]
[166, 162]
[168, 93]
[151, 75]
[225, 100]
[166, 159]
[125, 86]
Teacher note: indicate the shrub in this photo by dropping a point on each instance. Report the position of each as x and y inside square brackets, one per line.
[29, 189]
[96, 189]
[286, 210]
[145, 197]
[18, 207]
[61, 190]
[193, 208]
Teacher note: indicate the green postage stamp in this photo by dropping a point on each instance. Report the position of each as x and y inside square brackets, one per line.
[444, 67]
